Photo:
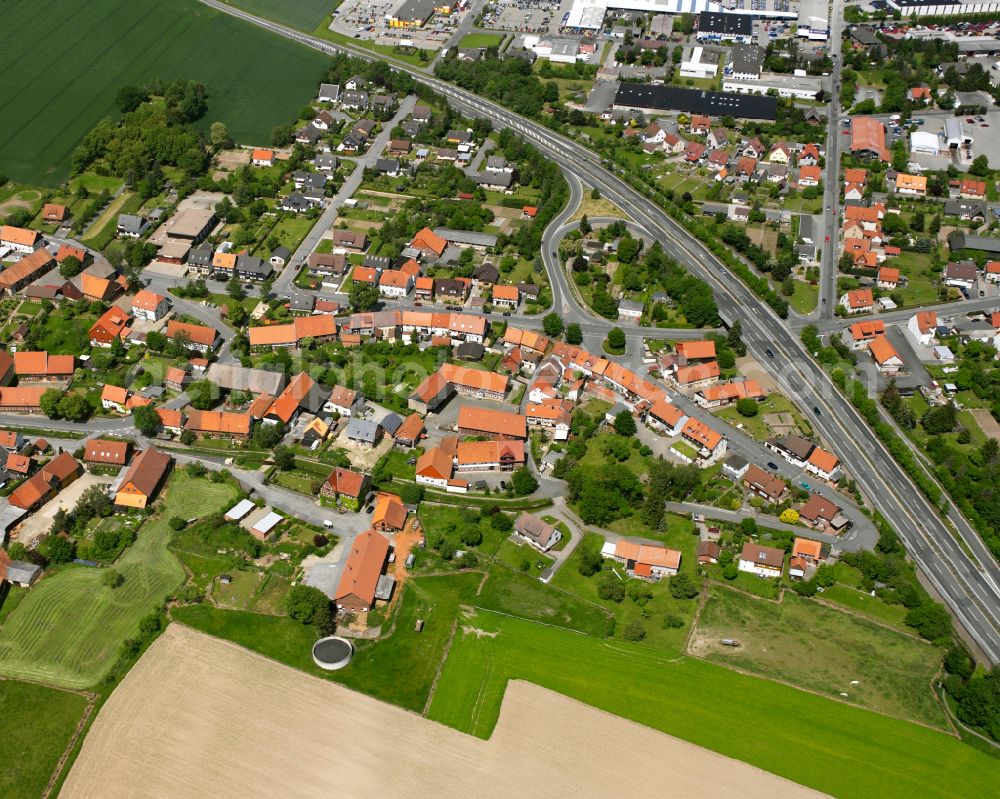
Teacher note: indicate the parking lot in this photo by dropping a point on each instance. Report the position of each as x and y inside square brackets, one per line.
[366, 20]
[526, 16]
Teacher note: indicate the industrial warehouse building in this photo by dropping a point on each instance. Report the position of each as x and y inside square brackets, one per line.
[650, 98]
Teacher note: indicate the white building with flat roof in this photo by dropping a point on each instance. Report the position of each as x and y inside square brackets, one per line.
[814, 20]
[922, 141]
[801, 87]
[698, 68]
[589, 14]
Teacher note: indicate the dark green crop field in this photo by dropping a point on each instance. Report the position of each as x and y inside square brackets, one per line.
[62, 62]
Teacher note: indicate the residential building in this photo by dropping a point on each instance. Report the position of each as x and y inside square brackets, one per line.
[646, 561]
[885, 355]
[368, 557]
[539, 534]
[19, 239]
[345, 487]
[862, 333]
[823, 464]
[858, 301]
[761, 560]
[488, 456]
[197, 337]
[473, 421]
[390, 513]
[765, 485]
[923, 327]
[822, 514]
[106, 452]
[149, 306]
[794, 449]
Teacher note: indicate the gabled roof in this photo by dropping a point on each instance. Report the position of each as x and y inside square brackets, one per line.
[860, 298]
[346, 482]
[491, 421]
[106, 450]
[823, 460]
[435, 464]
[363, 568]
[389, 510]
[427, 239]
[697, 350]
[147, 300]
[41, 363]
[882, 350]
[147, 470]
[869, 328]
[197, 334]
[224, 422]
[762, 555]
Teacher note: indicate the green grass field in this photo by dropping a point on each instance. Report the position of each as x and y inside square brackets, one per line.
[66, 631]
[510, 592]
[302, 14]
[84, 52]
[836, 748]
[824, 650]
[398, 669]
[36, 724]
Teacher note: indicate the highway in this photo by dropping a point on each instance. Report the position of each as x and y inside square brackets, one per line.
[969, 586]
[831, 185]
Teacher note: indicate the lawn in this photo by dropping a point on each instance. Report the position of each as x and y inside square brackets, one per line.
[481, 39]
[519, 555]
[92, 49]
[67, 630]
[37, 724]
[399, 669]
[805, 297]
[69, 335]
[755, 426]
[822, 649]
[767, 724]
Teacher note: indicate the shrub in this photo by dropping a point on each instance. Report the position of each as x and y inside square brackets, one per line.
[610, 588]
[639, 592]
[112, 579]
[177, 523]
[634, 631]
[590, 563]
[683, 587]
[672, 622]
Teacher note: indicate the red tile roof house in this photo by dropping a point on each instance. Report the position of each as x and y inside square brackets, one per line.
[197, 337]
[345, 487]
[646, 561]
[105, 452]
[40, 367]
[368, 557]
[858, 301]
[491, 423]
[760, 560]
[149, 306]
[45, 483]
[112, 324]
[114, 398]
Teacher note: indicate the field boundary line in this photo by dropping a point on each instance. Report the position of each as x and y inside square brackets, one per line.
[877, 622]
[534, 621]
[71, 745]
[440, 668]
